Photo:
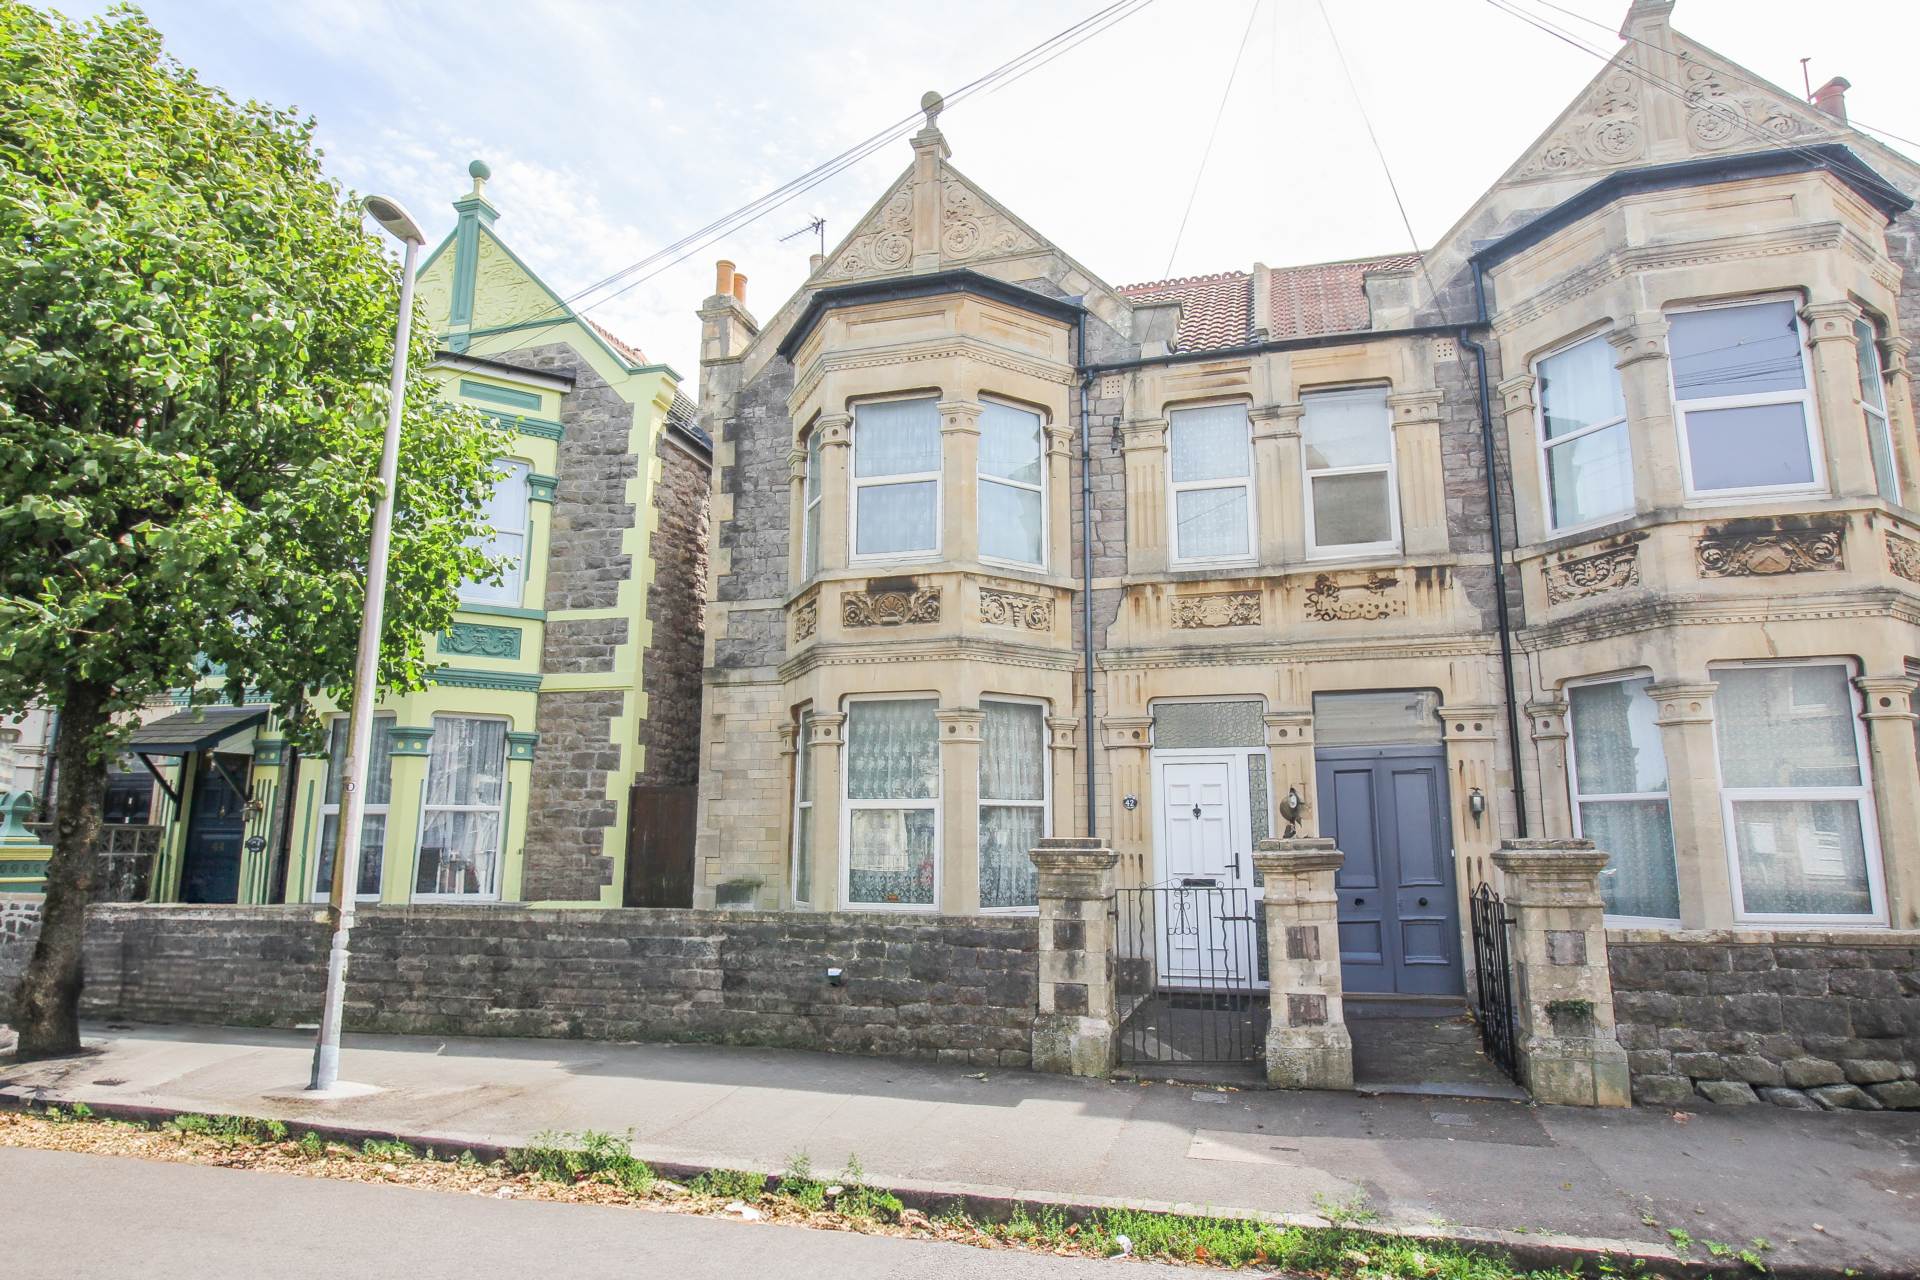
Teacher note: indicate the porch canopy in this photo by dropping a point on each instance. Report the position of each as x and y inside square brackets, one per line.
[185, 732]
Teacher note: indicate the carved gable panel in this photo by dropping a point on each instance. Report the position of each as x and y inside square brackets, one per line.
[1606, 132]
[972, 227]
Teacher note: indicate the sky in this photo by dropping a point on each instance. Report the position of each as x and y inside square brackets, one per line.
[616, 127]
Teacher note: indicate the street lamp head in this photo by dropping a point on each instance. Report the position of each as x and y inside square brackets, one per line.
[397, 221]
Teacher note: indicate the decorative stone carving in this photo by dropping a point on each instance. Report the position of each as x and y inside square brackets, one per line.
[886, 246]
[970, 227]
[1719, 116]
[889, 608]
[1331, 600]
[806, 618]
[1767, 553]
[477, 639]
[1016, 609]
[1903, 557]
[1606, 133]
[1592, 575]
[1217, 609]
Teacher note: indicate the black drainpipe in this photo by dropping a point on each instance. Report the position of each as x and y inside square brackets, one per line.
[1499, 550]
[1086, 556]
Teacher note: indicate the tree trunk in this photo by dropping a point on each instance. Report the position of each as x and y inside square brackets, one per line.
[46, 1006]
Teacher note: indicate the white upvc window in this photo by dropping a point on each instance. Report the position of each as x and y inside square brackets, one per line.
[810, 512]
[1795, 793]
[891, 824]
[463, 819]
[1012, 504]
[896, 479]
[1617, 769]
[1586, 459]
[1210, 471]
[1873, 402]
[506, 518]
[803, 810]
[373, 823]
[1013, 800]
[1743, 400]
[1346, 440]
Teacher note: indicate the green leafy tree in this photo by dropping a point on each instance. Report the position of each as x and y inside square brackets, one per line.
[195, 337]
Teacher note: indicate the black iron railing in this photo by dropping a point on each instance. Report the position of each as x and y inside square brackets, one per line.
[1493, 967]
[1186, 975]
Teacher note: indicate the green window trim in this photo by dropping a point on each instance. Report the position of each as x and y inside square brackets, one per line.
[520, 745]
[508, 396]
[468, 678]
[481, 640]
[269, 751]
[411, 740]
[504, 611]
[541, 428]
[540, 488]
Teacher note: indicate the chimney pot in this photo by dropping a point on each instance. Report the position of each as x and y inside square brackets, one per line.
[740, 288]
[723, 277]
[1831, 98]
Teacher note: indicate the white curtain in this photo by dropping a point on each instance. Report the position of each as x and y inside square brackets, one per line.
[1010, 477]
[1009, 443]
[506, 515]
[893, 749]
[373, 826]
[1013, 766]
[896, 437]
[466, 784]
[1579, 387]
[1208, 443]
[1617, 752]
[1591, 477]
[811, 499]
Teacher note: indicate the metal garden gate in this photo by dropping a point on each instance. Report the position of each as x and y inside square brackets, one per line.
[1189, 974]
[1493, 967]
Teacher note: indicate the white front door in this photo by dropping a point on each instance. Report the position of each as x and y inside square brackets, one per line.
[1206, 869]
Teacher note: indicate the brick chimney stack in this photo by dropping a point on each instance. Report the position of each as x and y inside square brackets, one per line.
[726, 326]
[1831, 98]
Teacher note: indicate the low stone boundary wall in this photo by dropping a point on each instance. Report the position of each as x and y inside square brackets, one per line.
[1799, 1019]
[955, 989]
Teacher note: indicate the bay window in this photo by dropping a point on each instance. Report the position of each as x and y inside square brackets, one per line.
[1586, 460]
[1013, 800]
[1743, 400]
[1618, 771]
[1346, 443]
[1873, 402]
[373, 824]
[896, 478]
[506, 519]
[803, 811]
[1012, 506]
[461, 824]
[1795, 793]
[810, 514]
[1210, 458]
[892, 817]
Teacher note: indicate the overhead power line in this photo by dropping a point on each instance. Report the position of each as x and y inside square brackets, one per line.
[1253, 11]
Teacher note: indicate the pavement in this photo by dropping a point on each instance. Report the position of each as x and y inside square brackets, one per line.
[1827, 1190]
[191, 1222]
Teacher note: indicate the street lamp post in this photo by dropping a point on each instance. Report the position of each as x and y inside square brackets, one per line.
[366, 667]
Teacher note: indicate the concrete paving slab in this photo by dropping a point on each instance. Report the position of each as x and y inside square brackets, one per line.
[1729, 1175]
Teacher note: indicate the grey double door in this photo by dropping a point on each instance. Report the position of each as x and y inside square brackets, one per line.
[1386, 808]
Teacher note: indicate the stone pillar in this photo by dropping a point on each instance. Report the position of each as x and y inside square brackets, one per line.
[1061, 732]
[1063, 526]
[1073, 1032]
[1836, 388]
[790, 757]
[829, 731]
[1896, 798]
[836, 489]
[797, 517]
[1307, 1042]
[1290, 765]
[1562, 992]
[1280, 504]
[1693, 802]
[1423, 487]
[1532, 509]
[1128, 740]
[1548, 719]
[959, 890]
[1468, 730]
[960, 476]
[1646, 385]
[1149, 541]
[1895, 354]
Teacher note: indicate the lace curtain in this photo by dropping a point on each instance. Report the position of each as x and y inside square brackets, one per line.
[893, 750]
[1783, 729]
[1211, 523]
[1013, 765]
[1208, 443]
[466, 783]
[896, 437]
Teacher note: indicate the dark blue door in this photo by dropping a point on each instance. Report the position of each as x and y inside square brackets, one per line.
[1386, 808]
[216, 826]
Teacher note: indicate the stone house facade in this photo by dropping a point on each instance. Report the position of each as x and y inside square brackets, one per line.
[1679, 622]
[507, 779]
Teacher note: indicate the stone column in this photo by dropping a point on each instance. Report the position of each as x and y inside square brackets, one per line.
[1896, 798]
[1468, 730]
[1061, 733]
[1423, 488]
[960, 477]
[1562, 992]
[1533, 510]
[1073, 1032]
[1290, 764]
[1130, 773]
[1148, 525]
[1836, 387]
[1895, 354]
[1648, 390]
[829, 731]
[1307, 1042]
[1693, 802]
[797, 517]
[959, 889]
[1548, 719]
[1059, 497]
[836, 490]
[790, 749]
[1281, 506]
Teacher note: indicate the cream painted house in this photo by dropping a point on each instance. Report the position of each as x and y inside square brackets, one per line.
[1002, 550]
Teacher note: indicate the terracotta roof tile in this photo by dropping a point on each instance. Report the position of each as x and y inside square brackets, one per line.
[627, 350]
[1217, 309]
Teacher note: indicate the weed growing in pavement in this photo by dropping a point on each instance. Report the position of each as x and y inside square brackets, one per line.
[588, 1156]
[312, 1145]
[383, 1149]
[1351, 1212]
[230, 1128]
[729, 1184]
[1681, 1240]
[798, 1184]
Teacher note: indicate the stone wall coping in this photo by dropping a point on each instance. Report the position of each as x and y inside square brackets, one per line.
[696, 919]
[1765, 937]
[1284, 857]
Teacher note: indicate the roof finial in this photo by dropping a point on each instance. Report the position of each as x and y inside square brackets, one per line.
[931, 103]
[479, 172]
